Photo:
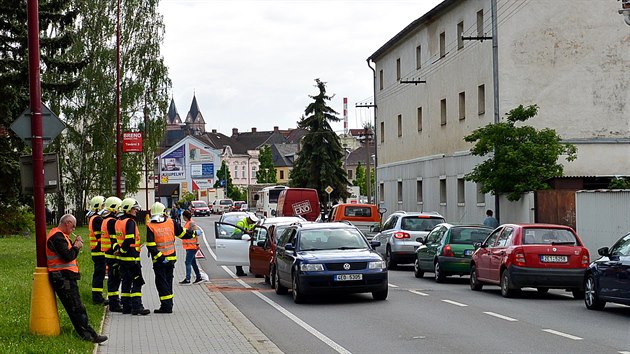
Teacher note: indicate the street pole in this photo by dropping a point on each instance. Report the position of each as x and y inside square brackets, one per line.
[495, 81]
[146, 154]
[118, 142]
[368, 180]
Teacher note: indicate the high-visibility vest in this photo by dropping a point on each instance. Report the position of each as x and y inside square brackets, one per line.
[121, 236]
[94, 242]
[190, 243]
[106, 238]
[164, 238]
[56, 263]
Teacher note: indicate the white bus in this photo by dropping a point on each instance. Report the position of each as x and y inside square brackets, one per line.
[267, 200]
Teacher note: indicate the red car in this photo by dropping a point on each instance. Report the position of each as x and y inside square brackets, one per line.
[541, 256]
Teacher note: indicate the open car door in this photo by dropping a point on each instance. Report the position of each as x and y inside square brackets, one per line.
[232, 245]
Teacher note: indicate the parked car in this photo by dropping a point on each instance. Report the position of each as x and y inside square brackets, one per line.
[263, 244]
[237, 205]
[318, 258]
[608, 278]
[399, 235]
[364, 216]
[232, 244]
[221, 206]
[447, 250]
[199, 207]
[541, 256]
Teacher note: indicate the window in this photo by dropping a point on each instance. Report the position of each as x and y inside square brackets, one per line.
[481, 99]
[281, 174]
[460, 33]
[418, 57]
[235, 171]
[400, 191]
[461, 195]
[480, 23]
[442, 44]
[419, 117]
[380, 77]
[350, 174]
[462, 105]
[443, 111]
[419, 199]
[253, 171]
[381, 192]
[443, 190]
[244, 172]
[481, 198]
[382, 132]
[505, 238]
[398, 69]
[492, 238]
[399, 125]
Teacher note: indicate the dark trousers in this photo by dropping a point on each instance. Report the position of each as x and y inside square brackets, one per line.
[131, 285]
[164, 283]
[239, 270]
[98, 278]
[68, 293]
[113, 282]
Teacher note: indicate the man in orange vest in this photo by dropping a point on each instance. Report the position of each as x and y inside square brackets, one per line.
[98, 256]
[63, 271]
[161, 233]
[128, 254]
[108, 243]
[191, 246]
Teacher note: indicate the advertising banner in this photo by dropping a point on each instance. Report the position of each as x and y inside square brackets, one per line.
[173, 164]
[132, 142]
[199, 154]
[205, 170]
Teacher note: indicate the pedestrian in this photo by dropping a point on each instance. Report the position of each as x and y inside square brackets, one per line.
[108, 246]
[490, 220]
[128, 254]
[161, 233]
[98, 256]
[175, 213]
[63, 272]
[247, 225]
[191, 246]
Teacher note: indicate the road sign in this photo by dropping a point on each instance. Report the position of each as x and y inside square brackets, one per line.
[122, 185]
[51, 126]
[329, 189]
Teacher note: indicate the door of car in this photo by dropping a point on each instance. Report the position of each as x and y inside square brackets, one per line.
[386, 233]
[426, 251]
[498, 254]
[259, 251]
[284, 257]
[483, 255]
[232, 244]
[614, 280]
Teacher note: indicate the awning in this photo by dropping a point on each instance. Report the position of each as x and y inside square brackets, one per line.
[168, 190]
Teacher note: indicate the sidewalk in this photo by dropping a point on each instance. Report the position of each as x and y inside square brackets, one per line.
[202, 321]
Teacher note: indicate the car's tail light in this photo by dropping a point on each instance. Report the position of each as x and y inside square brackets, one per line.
[447, 251]
[585, 259]
[400, 235]
[519, 257]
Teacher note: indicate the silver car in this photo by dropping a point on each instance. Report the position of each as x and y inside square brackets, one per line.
[398, 236]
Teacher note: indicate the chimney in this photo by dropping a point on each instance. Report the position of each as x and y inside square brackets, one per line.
[275, 128]
[253, 129]
[234, 131]
[214, 130]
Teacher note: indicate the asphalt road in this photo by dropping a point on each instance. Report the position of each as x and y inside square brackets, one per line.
[421, 316]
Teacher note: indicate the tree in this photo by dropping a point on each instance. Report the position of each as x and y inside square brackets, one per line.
[360, 179]
[224, 180]
[524, 158]
[266, 172]
[319, 161]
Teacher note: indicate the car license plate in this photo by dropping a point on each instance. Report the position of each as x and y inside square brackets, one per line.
[347, 277]
[553, 259]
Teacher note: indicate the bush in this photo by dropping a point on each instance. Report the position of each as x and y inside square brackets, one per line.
[17, 221]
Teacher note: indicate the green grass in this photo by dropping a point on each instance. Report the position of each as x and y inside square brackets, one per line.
[17, 265]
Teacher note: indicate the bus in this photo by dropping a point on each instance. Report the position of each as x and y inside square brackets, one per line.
[267, 200]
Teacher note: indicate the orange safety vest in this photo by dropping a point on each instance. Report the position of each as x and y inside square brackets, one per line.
[106, 238]
[164, 238]
[121, 236]
[56, 263]
[94, 242]
[190, 243]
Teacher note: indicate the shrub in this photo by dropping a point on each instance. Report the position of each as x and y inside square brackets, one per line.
[17, 221]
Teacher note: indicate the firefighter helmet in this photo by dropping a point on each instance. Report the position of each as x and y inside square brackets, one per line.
[112, 204]
[157, 209]
[128, 204]
[96, 203]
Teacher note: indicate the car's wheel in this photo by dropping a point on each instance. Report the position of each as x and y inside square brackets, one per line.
[578, 294]
[506, 285]
[298, 297]
[417, 271]
[280, 289]
[474, 281]
[389, 259]
[380, 295]
[439, 274]
[272, 277]
[542, 290]
[591, 298]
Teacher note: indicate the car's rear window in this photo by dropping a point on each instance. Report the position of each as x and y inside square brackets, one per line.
[331, 239]
[546, 236]
[357, 211]
[199, 205]
[468, 235]
[415, 223]
[225, 202]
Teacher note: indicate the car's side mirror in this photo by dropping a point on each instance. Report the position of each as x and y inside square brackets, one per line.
[246, 237]
[375, 243]
[604, 251]
[289, 247]
[375, 228]
[260, 243]
[273, 213]
[480, 245]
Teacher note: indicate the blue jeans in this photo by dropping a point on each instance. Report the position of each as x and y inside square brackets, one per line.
[191, 262]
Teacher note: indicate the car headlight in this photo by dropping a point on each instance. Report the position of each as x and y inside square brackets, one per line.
[311, 267]
[377, 265]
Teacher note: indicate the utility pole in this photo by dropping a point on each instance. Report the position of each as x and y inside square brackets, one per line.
[118, 142]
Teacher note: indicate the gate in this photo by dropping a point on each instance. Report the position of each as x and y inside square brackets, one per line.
[555, 206]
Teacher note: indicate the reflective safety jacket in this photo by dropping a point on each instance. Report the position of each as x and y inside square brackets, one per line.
[128, 239]
[108, 236]
[161, 239]
[53, 261]
[95, 223]
[191, 243]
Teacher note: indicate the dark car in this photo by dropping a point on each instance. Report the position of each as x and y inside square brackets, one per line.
[320, 258]
[608, 278]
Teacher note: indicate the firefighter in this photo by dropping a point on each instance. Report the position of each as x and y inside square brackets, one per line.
[128, 255]
[247, 225]
[63, 272]
[161, 233]
[108, 245]
[98, 256]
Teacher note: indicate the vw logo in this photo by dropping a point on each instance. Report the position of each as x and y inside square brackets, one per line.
[346, 266]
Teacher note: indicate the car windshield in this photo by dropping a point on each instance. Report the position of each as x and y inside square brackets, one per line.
[546, 236]
[331, 239]
[417, 223]
[199, 205]
[468, 235]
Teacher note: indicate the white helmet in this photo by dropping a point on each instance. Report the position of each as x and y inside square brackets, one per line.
[112, 204]
[96, 203]
[128, 204]
[253, 218]
[157, 212]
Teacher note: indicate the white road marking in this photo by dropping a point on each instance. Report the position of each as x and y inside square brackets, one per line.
[501, 316]
[622, 352]
[562, 334]
[455, 303]
[418, 293]
[392, 285]
[336, 347]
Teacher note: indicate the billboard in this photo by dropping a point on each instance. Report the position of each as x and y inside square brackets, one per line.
[132, 142]
[172, 164]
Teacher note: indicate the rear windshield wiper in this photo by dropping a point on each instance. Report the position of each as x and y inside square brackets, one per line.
[563, 243]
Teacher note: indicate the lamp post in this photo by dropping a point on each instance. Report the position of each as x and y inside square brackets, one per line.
[118, 142]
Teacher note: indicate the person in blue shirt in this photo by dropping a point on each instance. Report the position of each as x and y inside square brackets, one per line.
[490, 220]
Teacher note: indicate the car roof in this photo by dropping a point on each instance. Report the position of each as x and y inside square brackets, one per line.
[282, 220]
[418, 213]
[327, 225]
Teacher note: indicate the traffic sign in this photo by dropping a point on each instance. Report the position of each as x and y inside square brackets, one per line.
[329, 189]
[51, 126]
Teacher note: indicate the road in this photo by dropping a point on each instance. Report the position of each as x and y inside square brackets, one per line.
[421, 316]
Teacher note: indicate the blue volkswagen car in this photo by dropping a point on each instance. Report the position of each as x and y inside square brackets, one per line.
[324, 258]
[608, 278]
